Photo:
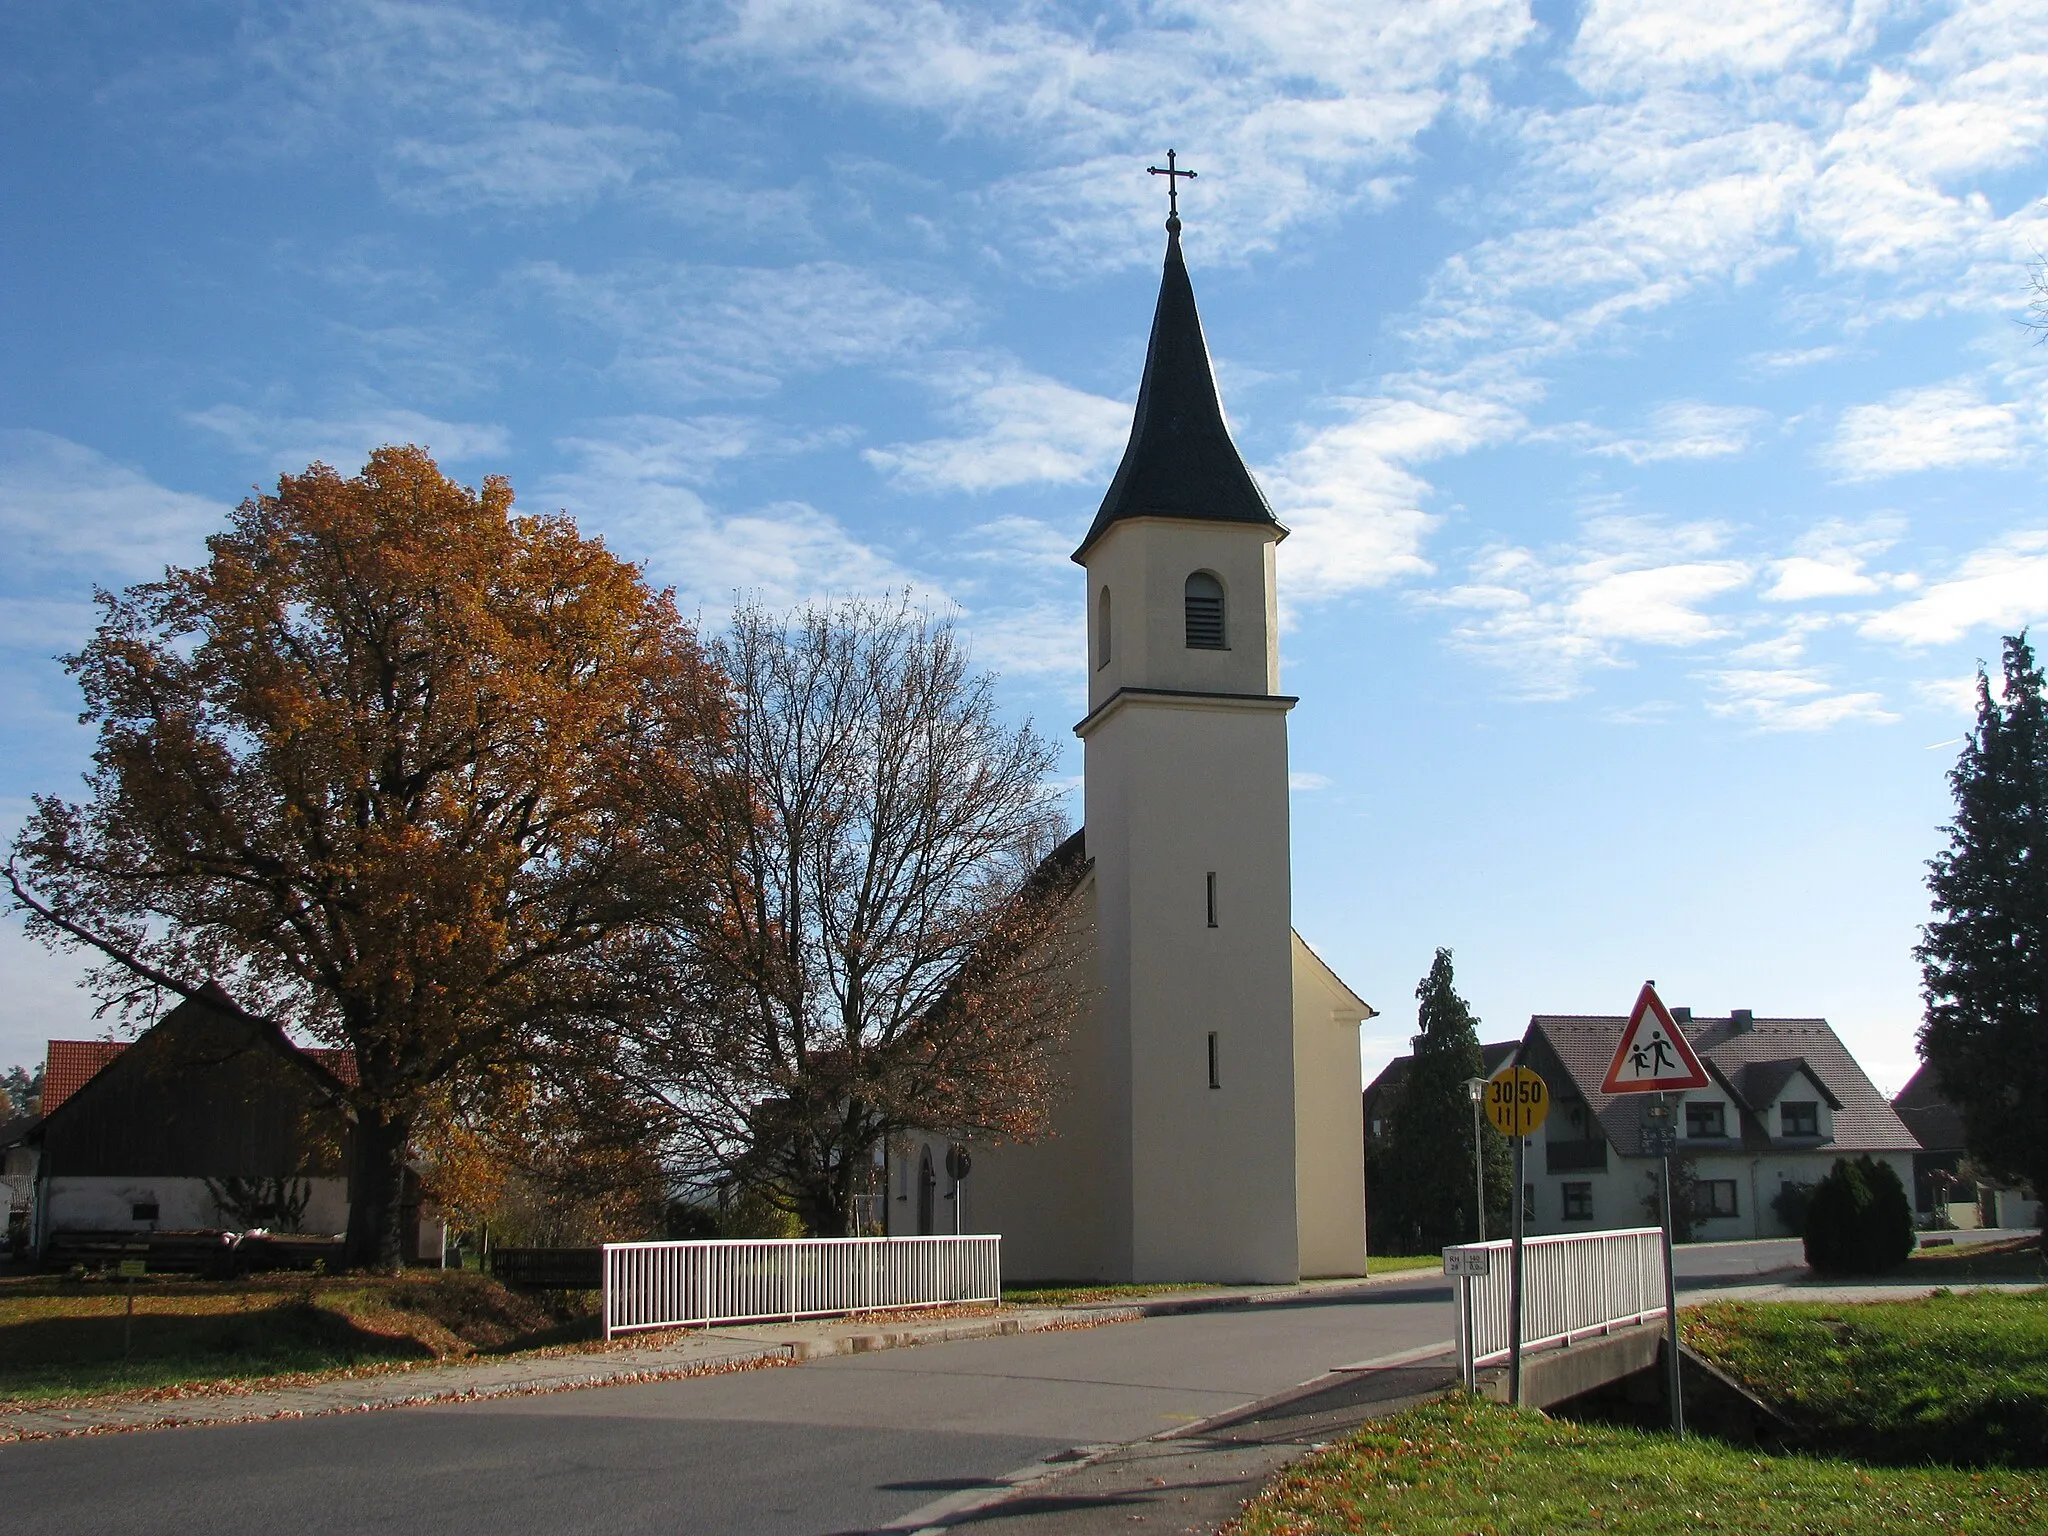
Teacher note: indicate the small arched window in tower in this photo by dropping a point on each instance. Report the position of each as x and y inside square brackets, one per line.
[1102, 630]
[1205, 613]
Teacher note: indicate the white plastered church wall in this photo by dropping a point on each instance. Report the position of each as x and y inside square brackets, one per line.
[1329, 1118]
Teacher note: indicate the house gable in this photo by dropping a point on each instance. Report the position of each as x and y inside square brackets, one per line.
[208, 1092]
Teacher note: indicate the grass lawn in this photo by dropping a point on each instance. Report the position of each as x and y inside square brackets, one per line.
[2013, 1259]
[1388, 1264]
[1058, 1295]
[1952, 1378]
[1462, 1467]
[63, 1339]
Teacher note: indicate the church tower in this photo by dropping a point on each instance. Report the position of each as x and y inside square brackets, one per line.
[1187, 828]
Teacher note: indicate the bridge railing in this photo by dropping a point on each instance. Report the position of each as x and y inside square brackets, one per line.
[671, 1285]
[1574, 1286]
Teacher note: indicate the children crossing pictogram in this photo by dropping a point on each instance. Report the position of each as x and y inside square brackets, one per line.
[1654, 1056]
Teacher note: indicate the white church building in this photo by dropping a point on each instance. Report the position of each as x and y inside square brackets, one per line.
[1210, 1127]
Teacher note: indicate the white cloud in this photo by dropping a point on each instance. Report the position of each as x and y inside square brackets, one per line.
[456, 110]
[1690, 429]
[1789, 359]
[1301, 109]
[691, 330]
[1624, 44]
[1046, 639]
[1547, 618]
[1355, 508]
[1305, 783]
[685, 450]
[1938, 426]
[290, 443]
[635, 489]
[2003, 586]
[1830, 562]
[1023, 428]
[65, 509]
[1791, 699]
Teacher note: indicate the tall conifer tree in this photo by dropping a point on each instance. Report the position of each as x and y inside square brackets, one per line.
[1984, 958]
[1424, 1197]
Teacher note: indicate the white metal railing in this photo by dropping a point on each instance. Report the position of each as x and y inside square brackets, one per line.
[1574, 1286]
[671, 1285]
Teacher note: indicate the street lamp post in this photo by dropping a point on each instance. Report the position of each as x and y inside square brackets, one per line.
[1476, 1088]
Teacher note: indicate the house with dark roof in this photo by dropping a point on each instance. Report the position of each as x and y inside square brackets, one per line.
[1384, 1089]
[1785, 1099]
[210, 1119]
[1943, 1193]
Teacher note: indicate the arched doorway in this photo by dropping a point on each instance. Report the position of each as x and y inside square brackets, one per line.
[927, 1195]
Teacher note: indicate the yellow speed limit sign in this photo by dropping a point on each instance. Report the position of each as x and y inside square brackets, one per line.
[1516, 1101]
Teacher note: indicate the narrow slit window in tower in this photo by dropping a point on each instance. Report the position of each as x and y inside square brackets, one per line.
[1212, 898]
[1205, 613]
[1215, 1069]
[1102, 630]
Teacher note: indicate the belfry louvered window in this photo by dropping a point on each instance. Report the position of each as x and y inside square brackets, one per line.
[1205, 613]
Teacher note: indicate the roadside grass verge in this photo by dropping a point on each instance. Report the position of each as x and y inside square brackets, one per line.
[1059, 1294]
[62, 1340]
[1391, 1263]
[1960, 1379]
[2018, 1258]
[1463, 1466]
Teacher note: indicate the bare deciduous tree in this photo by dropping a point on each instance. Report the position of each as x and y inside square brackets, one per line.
[892, 954]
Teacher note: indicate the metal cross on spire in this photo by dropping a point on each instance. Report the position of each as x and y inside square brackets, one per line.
[1173, 175]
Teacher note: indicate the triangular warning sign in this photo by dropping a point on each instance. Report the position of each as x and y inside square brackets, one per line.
[1654, 1056]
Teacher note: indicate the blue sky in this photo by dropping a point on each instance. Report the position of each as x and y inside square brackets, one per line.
[1644, 384]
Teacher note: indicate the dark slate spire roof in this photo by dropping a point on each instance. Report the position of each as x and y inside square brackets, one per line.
[1180, 461]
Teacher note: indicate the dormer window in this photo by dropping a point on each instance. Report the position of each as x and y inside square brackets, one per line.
[1706, 1120]
[1799, 1119]
[1102, 630]
[1205, 613]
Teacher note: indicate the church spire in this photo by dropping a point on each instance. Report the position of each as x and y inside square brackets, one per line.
[1180, 461]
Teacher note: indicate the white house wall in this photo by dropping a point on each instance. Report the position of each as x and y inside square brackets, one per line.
[107, 1204]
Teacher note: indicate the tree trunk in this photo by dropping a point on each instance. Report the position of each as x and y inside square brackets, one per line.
[376, 1190]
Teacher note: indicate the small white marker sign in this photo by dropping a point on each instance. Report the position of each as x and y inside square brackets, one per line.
[1471, 1262]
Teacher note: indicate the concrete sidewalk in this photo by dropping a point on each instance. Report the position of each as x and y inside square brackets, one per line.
[671, 1355]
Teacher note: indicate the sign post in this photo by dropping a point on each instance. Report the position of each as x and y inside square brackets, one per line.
[132, 1270]
[1517, 1100]
[1465, 1265]
[1655, 1057]
[958, 1163]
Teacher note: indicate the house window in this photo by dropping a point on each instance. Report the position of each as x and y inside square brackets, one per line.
[1800, 1119]
[1215, 1067]
[143, 1210]
[1205, 613]
[1578, 1202]
[1212, 898]
[1709, 1120]
[1717, 1197]
[1102, 630]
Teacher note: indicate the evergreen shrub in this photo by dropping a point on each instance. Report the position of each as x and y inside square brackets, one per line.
[1859, 1221]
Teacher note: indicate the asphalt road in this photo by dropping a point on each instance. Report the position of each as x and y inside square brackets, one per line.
[838, 1446]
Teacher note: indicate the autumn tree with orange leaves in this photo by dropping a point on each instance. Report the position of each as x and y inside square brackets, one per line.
[377, 767]
[894, 948]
